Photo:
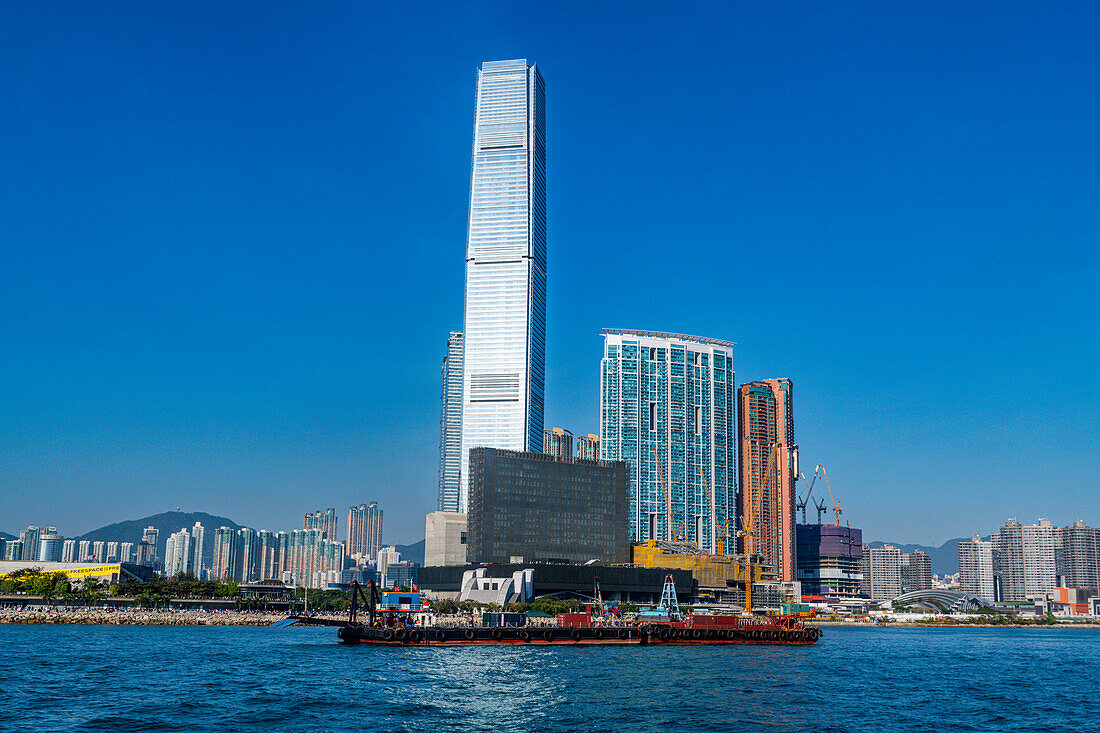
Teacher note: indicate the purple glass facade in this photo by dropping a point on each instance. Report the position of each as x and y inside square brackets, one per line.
[828, 560]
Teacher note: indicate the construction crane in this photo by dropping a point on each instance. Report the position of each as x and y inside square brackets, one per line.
[748, 528]
[837, 510]
[818, 505]
[668, 496]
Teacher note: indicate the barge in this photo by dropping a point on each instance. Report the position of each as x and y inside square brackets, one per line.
[389, 626]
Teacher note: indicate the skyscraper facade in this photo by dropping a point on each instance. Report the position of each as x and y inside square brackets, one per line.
[667, 408]
[558, 442]
[178, 553]
[505, 305]
[534, 506]
[49, 545]
[225, 564]
[198, 541]
[364, 538]
[976, 567]
[29, 539]
[1077, 559]
[248, 568]
[450, 426]
[916, 571]
[881, 570]
[1023, 560]
[322, 520]
[829, 560]
[588, 447]
[768, 468]
[267, 567]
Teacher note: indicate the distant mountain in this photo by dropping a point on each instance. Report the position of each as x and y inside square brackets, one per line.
[167, 523]
[414, 552]
[945, 558]
[6, 536]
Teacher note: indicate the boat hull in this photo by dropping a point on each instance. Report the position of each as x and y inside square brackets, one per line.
[580, 636]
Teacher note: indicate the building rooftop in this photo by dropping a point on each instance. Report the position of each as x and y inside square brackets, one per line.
[668, 335]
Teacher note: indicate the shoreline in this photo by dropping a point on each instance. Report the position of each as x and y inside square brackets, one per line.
[136, 617]
[162, 617]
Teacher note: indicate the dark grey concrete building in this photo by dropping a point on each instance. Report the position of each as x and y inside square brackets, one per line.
[542, 509]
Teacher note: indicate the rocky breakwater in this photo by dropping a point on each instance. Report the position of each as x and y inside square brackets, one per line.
[135, 617]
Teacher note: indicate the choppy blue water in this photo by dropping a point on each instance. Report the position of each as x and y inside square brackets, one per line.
[135, 678]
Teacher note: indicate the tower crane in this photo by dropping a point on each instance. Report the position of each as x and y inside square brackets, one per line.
[818, 505]
[837, 509]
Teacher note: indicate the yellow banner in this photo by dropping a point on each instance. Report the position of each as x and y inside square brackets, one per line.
[93, 570]
[84, 572]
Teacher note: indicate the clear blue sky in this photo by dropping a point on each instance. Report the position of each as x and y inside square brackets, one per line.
[233, 243]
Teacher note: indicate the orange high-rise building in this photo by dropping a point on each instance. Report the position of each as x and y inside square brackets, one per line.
[765, 415]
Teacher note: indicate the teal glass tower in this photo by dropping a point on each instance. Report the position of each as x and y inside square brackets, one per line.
[668, 408]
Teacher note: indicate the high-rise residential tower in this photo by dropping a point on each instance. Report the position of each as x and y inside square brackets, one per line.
[364, 538]
[503, 368]
[667, 408]
[558, 442]
[198, 541]
[916, 571]
[588, 447]
[225, 563]
[881, 568]
[768, 468]
[976, 567]
[450, 427]
[1077, 559]
[1023, 560]
[322, 520]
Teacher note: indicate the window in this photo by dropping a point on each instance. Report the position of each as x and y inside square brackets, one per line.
[652, 353]
[695, 358]
[462, 538]
[653, 416]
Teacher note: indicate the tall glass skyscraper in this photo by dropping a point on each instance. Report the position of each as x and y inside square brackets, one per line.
[450, 426]
[505, 319]
[667, 407]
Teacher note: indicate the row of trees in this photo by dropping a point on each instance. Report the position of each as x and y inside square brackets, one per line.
[184, 585]
[52, 586]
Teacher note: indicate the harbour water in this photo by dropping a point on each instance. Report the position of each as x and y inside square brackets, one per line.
[152, 678]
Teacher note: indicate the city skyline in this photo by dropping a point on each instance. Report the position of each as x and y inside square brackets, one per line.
[925, 240]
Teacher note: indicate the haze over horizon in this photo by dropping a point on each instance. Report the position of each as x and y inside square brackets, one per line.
[234, 246]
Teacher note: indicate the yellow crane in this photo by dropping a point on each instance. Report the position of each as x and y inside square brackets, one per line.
[668, 496]
[837, 509]
[748, 527]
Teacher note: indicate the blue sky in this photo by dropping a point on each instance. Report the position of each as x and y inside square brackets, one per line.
[233, 244]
